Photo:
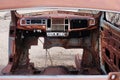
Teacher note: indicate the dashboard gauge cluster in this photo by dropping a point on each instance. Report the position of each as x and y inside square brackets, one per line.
[33, 21]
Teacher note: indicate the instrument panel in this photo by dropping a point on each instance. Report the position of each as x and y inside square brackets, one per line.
[33, 21]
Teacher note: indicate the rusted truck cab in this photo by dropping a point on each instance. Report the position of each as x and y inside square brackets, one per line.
[65, 29]
[93, 32]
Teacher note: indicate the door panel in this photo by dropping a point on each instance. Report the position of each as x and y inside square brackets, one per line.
[110, 44]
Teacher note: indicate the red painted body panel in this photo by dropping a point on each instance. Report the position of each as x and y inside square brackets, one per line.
[94, 4]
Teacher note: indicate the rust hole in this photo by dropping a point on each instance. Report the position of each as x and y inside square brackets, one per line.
[115, 59]
[107, 52]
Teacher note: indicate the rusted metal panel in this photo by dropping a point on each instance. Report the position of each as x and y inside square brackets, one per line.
[94, 4]
[67, 43]
[110, 46]
[54, 15]
[55, 70]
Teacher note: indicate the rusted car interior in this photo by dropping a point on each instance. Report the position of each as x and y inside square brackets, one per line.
[95, 32]
[91, 32]
[58, 28]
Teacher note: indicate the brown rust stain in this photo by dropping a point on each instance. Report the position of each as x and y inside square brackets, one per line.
[110, 47]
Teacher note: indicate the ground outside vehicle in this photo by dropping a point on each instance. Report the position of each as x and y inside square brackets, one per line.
[97, 34]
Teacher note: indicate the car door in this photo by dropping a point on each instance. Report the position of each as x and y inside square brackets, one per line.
[110, 41]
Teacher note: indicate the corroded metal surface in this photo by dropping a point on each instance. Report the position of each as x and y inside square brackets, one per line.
[89, 64]
[56, 70]
[22, 37]
[86, 39]
[94, 4]
[110, 48]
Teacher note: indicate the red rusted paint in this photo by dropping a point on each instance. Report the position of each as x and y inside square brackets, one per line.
[110, 5]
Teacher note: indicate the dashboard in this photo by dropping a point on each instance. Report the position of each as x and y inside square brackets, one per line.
[58, 26]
